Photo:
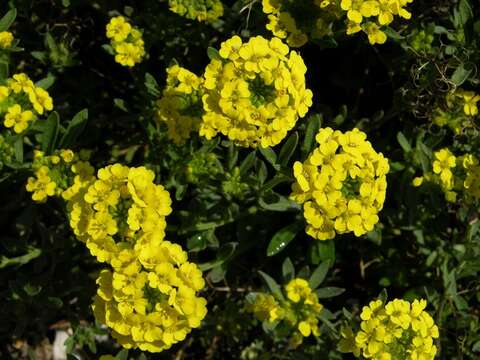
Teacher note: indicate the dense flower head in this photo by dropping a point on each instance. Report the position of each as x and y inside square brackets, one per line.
[457, 111]
[288, 20]
[298, 310]
[200, 10]
[341, 185]
[152, 303]
[22, 102]
[62, 174]
[126, 41]
[255, 92]
[454, 174]
[397, 330]
[181, 104]
[119, 210]
[6, 39]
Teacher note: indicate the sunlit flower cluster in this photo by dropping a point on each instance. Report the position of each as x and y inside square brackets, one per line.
[200, 10]
[458, 110]
[120, 209]
[61, 174]
[255, 92]
[152, 302]
[397, 330]
[341, 185]
[181, 104]
[22, 102]
[6, 39]
[288, 20]
[126, 41]
[298, 310]
[455, 175]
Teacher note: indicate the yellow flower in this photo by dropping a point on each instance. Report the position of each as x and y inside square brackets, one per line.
[341, 185]
[21, 82]
[390, 329]
[470, 103]
[148, 308]
[297, 289]
[118, 29]
[18, 119]
[126, 41]
[6, 39]
[445, 161]
[256, 95]
[123, 203]
[40, 100]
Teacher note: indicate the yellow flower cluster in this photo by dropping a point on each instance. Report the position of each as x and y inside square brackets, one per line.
[151, 303]
[341, 185]
[454, 175]
[397, 330]
[181, 104]
[298, 311]
[370, 16]
[287, 18]
[126, 41]
[62, 174]
[459, 110]
[21, 102]
[255, 92]
[201, 10]
[6, 39]
[118, 211]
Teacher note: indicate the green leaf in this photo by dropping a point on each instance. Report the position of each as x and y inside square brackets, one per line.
[288, 270]
[460, 75]
[122, 355]
[270, 156]
[247, 163]
[18, 149]
[213, 54]
[314, 124]
[465, 12]
[328, 292]
[276, 202]
[8, 19]
[272, 285]
[46, 82]
[20, 260]
[152, 85]
[74, 129]
[319, 274]
[282, 238]
[50, 133]
[224, 253]
[402, 140]
[383, 296]
[288, 149]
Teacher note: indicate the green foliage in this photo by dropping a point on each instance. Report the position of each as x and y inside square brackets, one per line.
[231, 205]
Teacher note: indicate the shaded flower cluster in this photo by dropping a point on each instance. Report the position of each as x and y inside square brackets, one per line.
[288, 20]
[341, 185]
[126, 41]
[397, 330]
[61, 174]
[181, 104]
[254, 92]
[455, 175]
[22, 102]
[6, 39]
[121, 209]
[200, 10]
[457, 111]
[6, 152]
[152, 302]
[298, 312]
